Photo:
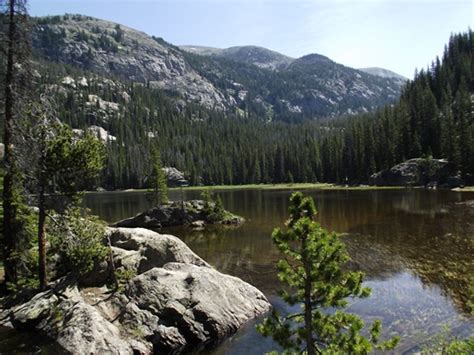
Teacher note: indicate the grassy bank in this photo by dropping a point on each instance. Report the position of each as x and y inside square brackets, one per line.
[296, 186]
[465, 189]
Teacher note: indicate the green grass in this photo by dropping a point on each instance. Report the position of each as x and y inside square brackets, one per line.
[296, 186]
[465, 189]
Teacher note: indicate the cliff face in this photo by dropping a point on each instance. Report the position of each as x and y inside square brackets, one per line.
[109, 48]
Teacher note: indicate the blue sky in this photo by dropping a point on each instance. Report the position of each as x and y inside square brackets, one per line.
[399, 35]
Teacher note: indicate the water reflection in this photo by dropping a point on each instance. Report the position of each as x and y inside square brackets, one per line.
[415, 246]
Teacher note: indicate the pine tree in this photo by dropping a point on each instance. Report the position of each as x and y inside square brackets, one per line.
[15, 48]
[58, 164]
[312, 270]
[158, 179]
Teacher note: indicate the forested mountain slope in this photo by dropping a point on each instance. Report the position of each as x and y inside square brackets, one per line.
[434, 116]
[306, 88]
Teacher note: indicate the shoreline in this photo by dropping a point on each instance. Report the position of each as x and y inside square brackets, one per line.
[295, 186]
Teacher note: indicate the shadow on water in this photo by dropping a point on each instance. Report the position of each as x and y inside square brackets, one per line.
[26, 343]
[415, 246]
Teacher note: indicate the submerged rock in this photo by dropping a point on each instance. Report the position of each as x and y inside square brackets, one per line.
[175, 302]
[431, 173]
[180, 213]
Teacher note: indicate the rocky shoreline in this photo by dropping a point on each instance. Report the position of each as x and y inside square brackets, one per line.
[172, 301]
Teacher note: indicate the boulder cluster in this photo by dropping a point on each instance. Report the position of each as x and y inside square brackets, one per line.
[173, 301]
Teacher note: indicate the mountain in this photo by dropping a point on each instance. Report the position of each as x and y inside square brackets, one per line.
[240, 80]
[259, 56]
[109, 48]
[202, 50]
[383, 73]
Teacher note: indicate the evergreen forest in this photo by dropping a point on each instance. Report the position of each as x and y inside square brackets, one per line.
[434, 117]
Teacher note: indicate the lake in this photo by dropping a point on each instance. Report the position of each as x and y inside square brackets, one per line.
[415, 246]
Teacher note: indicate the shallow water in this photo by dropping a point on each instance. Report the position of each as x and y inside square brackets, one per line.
[415, 246]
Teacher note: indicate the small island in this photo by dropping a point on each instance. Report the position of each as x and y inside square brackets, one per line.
[194, 213]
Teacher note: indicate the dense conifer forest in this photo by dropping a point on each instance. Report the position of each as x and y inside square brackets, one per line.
[433, 117]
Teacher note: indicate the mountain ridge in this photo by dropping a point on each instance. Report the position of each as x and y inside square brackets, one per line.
[226, 52]
[256, 55]
[245, 80]
[384, 73]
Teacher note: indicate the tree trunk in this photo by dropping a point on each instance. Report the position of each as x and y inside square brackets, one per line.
[42, 240]
[112, 264]
[9, 211]
[310, 347]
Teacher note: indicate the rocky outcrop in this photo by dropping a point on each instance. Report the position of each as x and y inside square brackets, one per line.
[175, 302]
[180, 213]
[98, 132]
[419, 172]
[175, 177]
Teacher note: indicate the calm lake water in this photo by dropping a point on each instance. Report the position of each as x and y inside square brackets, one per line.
[415, 246]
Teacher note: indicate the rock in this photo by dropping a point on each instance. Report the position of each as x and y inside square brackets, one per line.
[101, 133]
[107, 106]
[198, 224]
[97, 131]
[68, 81]
[29, 314]
[62, 314]
[83, 82]
[141, 249]
[452, 182]
[176, 303]
[175, 177]
[200, 302]
[168, 340]
[125, 96]
[80, 329]
[99, 275]
[178, 213]
[418, 172]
